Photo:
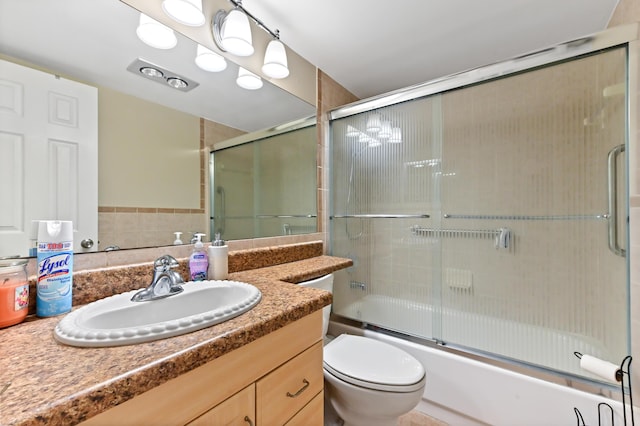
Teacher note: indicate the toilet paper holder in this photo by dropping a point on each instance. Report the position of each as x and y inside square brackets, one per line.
[610, 372]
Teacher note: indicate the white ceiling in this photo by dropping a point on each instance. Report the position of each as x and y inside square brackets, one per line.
[368, 46]
[374, 46]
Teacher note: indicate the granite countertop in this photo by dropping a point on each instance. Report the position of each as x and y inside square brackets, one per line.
[51, 383]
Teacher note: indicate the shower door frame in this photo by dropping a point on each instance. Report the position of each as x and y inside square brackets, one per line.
[627, 35]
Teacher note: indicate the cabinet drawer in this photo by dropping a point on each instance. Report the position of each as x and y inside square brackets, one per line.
[236, 410]
[311, 415]
[286, 390]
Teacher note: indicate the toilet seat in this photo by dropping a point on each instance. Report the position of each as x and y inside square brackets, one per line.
[372, 364]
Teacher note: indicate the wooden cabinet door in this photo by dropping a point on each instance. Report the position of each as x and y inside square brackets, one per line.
[237, 410]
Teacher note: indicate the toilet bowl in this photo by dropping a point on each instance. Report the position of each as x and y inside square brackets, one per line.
[367, 382]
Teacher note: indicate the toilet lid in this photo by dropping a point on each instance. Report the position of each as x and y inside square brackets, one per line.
[373, 364]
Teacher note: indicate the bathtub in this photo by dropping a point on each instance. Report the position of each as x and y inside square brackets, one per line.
[464, 391]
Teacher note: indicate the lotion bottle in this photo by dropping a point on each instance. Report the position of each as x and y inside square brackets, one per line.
[218, 259]
[198, 262]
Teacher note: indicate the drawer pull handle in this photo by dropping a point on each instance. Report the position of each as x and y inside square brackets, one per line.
[248, 420]
[302, 389]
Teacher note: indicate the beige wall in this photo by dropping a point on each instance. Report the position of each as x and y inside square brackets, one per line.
[148, 154]
[150, 173]
[330, 96]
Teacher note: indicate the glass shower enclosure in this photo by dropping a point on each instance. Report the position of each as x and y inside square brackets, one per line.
[488, 210]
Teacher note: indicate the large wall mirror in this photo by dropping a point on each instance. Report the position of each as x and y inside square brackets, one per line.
[153, 140]
[260, 183]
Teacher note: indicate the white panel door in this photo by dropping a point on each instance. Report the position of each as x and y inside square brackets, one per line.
[48, 156]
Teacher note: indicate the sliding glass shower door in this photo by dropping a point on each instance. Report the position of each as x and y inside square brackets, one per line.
[494, 216]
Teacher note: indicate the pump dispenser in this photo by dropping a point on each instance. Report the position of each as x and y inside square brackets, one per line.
[177, 241]
[218, 256]
[198, 262]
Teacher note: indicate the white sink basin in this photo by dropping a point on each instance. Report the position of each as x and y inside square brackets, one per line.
[116, 320]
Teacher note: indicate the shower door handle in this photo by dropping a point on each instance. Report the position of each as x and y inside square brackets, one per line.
[612, 190]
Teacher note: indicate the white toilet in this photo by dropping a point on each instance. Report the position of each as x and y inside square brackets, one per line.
[368, 382]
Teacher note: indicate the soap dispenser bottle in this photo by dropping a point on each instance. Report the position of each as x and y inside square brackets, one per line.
[218, 256]
[198, 262]
[177, 241]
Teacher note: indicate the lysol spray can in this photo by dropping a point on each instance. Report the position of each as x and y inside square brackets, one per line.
[55, 268]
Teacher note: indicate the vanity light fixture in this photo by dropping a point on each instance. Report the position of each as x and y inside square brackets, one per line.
[385, 130]
[378, 131]
[155, 34]
[352, 132]
[187, 12]
[275, 59]
[373, 123]
[161, 75]
[232, 33]
[248, 80]
[209, 60]
[396, 135]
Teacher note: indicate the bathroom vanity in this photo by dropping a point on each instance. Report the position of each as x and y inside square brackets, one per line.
[244, 367]
[276, 379]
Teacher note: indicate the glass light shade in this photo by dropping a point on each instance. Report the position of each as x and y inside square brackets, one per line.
[248, 80]
[374, 143]
[155, 34]
[385, 130]
[235, 34]
[396, 135]
[352, 132]
[373, 123]
[209, 60]
[364, 138]
[275, 60]
[187, 12]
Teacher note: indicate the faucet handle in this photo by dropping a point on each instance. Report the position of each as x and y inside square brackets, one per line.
[165, 263]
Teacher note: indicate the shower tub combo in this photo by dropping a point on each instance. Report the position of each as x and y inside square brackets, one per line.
[486, 214]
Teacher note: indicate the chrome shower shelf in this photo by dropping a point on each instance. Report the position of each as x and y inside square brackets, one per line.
[447, 233]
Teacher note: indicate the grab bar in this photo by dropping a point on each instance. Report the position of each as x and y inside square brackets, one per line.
[271, 216]
[612, 195]
[521, 217]
[381, 216]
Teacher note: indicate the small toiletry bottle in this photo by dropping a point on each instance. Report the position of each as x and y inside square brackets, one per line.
[177, 241]
[198, 262]
[218, 256]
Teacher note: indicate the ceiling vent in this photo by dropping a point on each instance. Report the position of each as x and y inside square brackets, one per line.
[161, 75]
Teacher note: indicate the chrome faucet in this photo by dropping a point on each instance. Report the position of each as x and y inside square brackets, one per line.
[166, 282]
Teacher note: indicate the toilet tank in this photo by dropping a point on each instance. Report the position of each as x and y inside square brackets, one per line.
[324, 283]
